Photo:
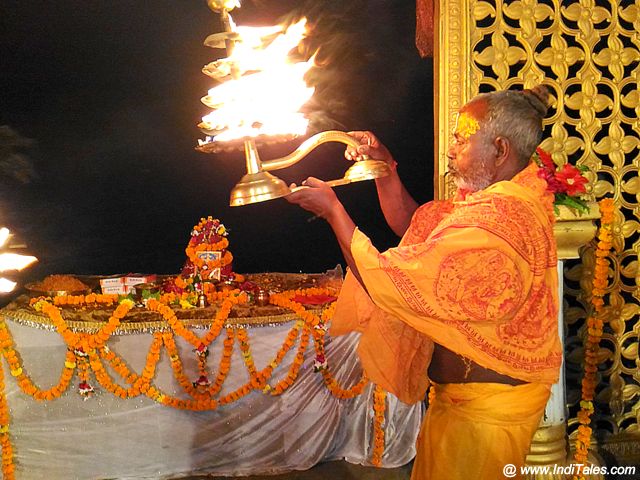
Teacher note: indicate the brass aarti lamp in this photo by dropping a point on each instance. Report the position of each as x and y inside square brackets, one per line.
[258, 185]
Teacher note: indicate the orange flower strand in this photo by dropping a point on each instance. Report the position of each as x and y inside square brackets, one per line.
[379, 406]
[87, 341]
[594, 331]
[330, 382]
[176, 325]
[312, 321]
[176, 364]
[139, 384]
[237, 394]
[224, 368]
[181, 404]
[296, 364]
[216, 325]
[24, 381]
[257, 381]
[225, 363]
[284, 300]
[342, 393]
[8, 467]
[222, 315]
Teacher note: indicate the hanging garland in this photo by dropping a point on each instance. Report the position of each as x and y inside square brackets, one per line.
[87, 352]
[317, 324]
[8, 467]
[594, 332]
[379, 407]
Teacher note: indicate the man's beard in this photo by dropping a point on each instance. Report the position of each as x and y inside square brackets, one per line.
[478, 179]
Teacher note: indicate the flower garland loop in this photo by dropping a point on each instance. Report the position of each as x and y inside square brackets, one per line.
[594, 331]
[317, 324]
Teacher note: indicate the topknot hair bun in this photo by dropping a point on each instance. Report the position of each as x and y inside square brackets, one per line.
[538, 97]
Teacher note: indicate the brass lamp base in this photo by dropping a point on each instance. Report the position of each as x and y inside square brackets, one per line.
[257, 187]
[263, 186]
[366, 170]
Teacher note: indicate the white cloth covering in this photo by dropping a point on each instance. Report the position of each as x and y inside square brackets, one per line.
[105, 437]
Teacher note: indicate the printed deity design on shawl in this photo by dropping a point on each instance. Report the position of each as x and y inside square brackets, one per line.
[483, 284]
[529, 329]
[526, 317]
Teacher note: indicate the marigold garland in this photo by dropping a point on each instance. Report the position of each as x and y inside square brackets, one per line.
[296, 364]
[8, 467]
[84, 342]
[379, 407]
[86, 353]
[317, 326]
[594, 332]
[139, 384]
[216, 326]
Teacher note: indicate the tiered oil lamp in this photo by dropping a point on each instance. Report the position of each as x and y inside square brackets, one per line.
[257, 102]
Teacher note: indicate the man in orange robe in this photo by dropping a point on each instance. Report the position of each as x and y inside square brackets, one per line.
[468, 300]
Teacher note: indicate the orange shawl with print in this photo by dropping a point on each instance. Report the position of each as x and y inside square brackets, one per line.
[476, 275]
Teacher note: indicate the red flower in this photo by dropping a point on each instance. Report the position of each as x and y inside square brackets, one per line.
[553, 184]
[202, 381]
[546, 160]
[572, 179]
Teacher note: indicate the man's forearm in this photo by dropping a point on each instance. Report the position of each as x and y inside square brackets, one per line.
[343, 228]
[397, 204]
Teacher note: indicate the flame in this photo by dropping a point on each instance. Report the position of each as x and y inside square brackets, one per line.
[6, 285]
[11, 261]
[263, 88]
[14, 261]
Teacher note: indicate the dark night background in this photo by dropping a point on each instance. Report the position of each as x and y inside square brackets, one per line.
[109, 95]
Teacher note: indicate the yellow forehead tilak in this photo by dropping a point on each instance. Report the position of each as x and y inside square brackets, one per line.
[466, 125]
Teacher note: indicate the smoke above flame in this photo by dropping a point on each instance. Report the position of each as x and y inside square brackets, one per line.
[262, 84]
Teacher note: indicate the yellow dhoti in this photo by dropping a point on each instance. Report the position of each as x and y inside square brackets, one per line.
[473, 430]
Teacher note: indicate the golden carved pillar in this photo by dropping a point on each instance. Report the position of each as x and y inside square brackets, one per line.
[588, 53]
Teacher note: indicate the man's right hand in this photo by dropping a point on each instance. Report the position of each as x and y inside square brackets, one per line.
[315, 196]
[369, 145]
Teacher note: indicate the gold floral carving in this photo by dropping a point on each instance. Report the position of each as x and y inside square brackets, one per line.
[452, 79]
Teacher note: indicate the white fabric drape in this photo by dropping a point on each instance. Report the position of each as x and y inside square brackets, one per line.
[107, 437]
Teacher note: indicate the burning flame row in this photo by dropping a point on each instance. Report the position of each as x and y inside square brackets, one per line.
[262, 86]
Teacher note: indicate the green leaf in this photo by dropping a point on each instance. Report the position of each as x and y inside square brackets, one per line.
[147, 294]
[575, 203]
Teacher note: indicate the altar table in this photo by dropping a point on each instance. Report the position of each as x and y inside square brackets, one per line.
[105, 437]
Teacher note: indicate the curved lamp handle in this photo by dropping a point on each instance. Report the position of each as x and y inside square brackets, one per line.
[310, 144]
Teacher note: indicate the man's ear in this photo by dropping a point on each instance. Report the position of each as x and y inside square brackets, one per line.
[503, 150]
